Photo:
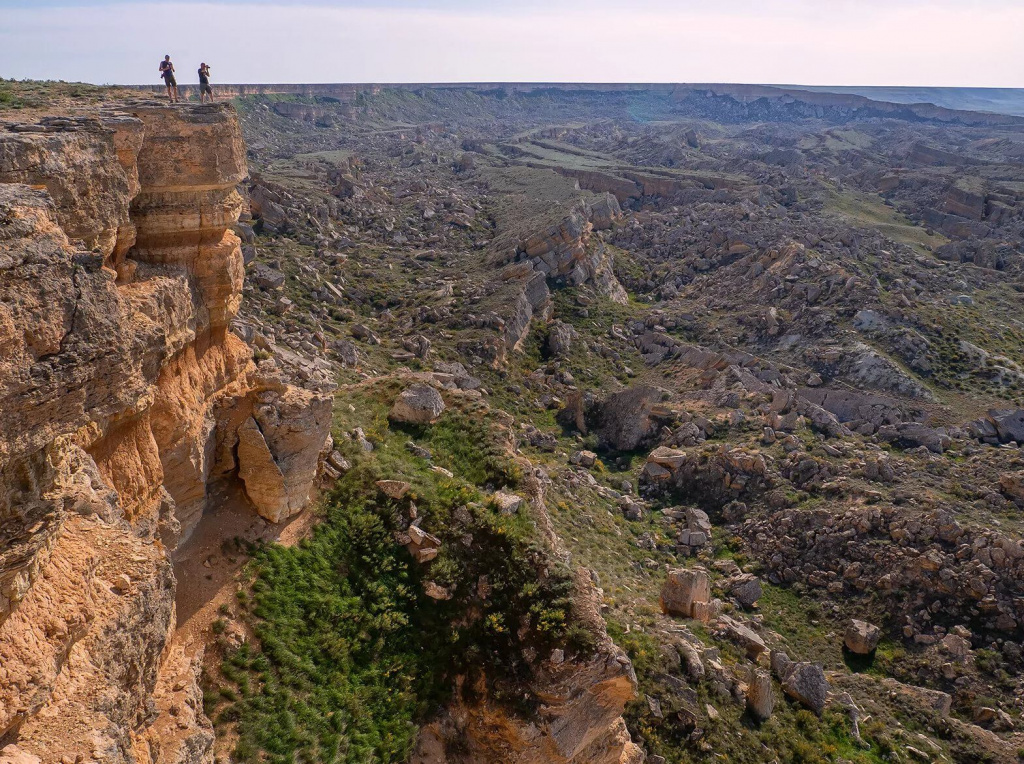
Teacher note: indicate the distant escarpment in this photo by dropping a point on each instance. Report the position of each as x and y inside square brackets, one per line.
[728, 101]
[124, 396]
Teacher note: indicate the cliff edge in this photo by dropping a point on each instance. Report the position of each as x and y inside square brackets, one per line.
[124, 396]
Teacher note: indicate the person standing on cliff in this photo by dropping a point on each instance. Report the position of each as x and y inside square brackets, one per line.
[167, 72]
[204, 83]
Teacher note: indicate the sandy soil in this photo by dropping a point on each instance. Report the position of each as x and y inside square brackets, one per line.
[208, 564]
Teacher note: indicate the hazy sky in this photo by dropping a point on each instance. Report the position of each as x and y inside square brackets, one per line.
[835, 42]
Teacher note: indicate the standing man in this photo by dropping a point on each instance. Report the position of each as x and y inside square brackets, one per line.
[204, 83]
[167, 72]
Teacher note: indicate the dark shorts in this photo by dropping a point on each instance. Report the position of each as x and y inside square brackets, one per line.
[169, 81]
[204, 87]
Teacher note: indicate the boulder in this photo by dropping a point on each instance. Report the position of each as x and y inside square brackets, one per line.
[347, 352]
[560, 339]
[669, 458]
[956, 646]
[935, 701]
[1012, 486]
[583, 459]
[279, 449]
[266, 277]
[760, 697]
[418, 345]
[394, 489]
[624, 418]
[697, 521]
[1009, 424]
[862, 637]
[780, 663]
[655, 472]
[744, 636]
[435, 591]
[913, 435]
[422, 545]
[806, 684]
[682, 589]
[507, 503]
[746, 589]
[417, 404]
[705, 612]
[336, 460]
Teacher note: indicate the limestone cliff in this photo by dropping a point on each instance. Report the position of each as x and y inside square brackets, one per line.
[124, 395]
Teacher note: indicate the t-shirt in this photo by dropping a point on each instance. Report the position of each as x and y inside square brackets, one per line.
[204, 77]
[166, 69]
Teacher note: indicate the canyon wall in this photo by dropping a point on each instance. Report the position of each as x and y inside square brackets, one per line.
[123, 395]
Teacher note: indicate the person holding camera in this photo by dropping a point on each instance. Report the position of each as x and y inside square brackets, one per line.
[205, 91]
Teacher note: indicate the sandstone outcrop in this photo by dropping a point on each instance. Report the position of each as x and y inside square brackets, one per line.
[684, 591]
[124, 397]
[861, 637]
[568, 254]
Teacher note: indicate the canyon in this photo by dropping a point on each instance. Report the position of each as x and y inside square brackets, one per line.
[516, 423]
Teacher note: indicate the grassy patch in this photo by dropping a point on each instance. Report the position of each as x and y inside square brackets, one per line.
[801, 621]
[868, 210]
[350, 653]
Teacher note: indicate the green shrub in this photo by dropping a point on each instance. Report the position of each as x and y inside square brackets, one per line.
[350, 653]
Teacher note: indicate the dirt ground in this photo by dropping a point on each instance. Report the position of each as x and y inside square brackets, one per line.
[208, 564]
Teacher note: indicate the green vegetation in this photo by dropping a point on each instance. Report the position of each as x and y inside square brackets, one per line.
[870, 210]
[798, 618]
[989, 324]
[350, 653]
[31, 94]
[793, 734]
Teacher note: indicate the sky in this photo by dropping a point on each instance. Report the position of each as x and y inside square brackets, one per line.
[965, 43]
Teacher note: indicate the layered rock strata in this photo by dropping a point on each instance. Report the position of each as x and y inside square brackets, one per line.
[123, 396]
[565, 254]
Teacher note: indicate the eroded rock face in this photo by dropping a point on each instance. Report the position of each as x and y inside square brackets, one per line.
[564, 254]
[123, 396]
[91, 203]
[583, 699]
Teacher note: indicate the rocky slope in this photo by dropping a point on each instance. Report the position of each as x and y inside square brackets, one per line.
[768, 345]
[125, 396]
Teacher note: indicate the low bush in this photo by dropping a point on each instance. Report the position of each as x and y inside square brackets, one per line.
[350, 652]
